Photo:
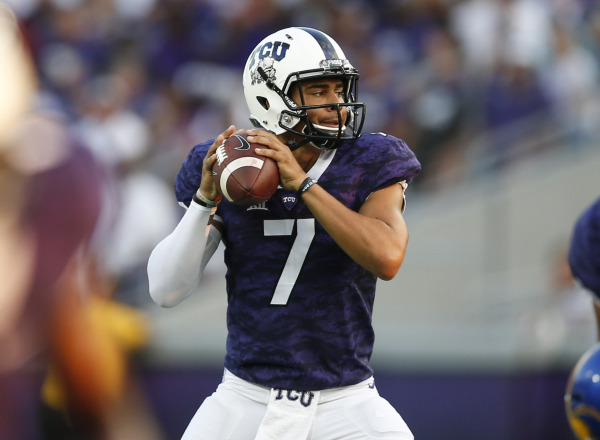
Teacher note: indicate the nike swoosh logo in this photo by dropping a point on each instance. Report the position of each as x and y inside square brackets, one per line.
[372, 385]
[245, 144]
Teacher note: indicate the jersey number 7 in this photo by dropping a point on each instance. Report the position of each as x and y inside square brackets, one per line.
[296, 257]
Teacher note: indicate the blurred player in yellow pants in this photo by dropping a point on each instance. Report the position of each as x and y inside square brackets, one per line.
[94, 342]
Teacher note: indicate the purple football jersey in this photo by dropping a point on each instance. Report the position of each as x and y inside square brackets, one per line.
[299, 308]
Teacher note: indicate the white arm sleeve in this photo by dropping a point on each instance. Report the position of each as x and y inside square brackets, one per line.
[176, 264]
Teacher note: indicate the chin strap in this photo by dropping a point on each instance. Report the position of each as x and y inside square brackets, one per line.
[294, 144]
[323, 144]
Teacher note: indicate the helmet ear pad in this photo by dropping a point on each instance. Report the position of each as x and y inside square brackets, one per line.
[272, 104]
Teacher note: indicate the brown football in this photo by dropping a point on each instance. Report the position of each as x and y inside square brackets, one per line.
[242, 176]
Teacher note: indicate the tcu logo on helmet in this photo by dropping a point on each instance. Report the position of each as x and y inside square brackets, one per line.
[266, 55]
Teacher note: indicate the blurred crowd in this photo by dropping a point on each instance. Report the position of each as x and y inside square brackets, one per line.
[165, 74]
[471, 85]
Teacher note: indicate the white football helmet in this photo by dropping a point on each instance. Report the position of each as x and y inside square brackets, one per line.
[292, 55]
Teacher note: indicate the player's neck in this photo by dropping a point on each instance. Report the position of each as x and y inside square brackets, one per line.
[306, 156]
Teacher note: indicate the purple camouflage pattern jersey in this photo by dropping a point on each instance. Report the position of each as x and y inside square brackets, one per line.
[299, 308]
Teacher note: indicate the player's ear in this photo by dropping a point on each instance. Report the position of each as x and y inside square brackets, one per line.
[264, 102]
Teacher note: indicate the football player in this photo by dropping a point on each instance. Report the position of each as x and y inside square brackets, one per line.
[584, 254]
[582, 399]
[302, 267]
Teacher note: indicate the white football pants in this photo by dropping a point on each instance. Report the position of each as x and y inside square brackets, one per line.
[236, 409]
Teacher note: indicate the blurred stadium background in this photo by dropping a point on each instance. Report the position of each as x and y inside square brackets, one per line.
[499, 99]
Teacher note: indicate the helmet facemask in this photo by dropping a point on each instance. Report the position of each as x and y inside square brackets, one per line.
[350, 112]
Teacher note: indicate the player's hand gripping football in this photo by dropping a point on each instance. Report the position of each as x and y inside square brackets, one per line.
[291, 173]
[208, 188]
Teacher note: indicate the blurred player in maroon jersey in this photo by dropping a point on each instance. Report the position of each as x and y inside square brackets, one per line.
[302, 266]
[49, 205]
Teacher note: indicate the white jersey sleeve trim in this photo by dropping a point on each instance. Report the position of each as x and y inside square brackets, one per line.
[404, 185]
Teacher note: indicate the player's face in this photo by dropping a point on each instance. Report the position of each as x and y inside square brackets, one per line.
[322, 91]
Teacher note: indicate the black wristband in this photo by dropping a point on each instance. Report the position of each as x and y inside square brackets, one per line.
[199, 202]
[307, 183]
[203, 201]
